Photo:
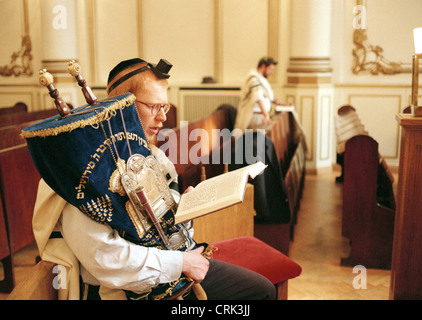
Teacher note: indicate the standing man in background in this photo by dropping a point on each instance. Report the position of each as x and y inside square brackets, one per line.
[257, 97]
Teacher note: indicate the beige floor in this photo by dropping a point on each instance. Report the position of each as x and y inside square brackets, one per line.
[317, 246]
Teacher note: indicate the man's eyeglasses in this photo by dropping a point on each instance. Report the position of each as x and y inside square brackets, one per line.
[155, 108]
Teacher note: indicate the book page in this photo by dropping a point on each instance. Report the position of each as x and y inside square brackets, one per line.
[216, 193]
[284, 108]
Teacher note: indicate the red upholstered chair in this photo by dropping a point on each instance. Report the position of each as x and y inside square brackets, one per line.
[254, 254]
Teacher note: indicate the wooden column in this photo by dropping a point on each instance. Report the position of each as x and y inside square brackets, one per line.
[406, 276]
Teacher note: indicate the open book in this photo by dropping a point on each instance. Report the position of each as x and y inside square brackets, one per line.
[216, 193]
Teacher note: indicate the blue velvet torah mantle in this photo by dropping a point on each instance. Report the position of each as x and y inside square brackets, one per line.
[77, 157]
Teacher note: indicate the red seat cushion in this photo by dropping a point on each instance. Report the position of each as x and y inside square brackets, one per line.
[254, 254]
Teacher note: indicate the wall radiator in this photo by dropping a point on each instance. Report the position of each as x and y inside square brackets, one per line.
[199, 103]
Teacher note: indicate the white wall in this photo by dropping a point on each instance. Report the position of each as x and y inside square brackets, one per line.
[223, 38]
[378, 98]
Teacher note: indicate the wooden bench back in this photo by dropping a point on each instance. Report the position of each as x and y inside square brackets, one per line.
[281, 133]
[10, 136]
[171, 121]
[18, 107]
[186, 146]
[4, 241]
[19, 183]
[368, 204]
[21, 117]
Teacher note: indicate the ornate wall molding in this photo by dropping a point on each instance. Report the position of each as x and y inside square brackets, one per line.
[20, 60]
[370, 58]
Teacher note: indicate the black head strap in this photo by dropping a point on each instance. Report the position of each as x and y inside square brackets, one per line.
[160, 70]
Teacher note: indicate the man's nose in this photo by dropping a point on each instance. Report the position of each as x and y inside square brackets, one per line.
[161, 115]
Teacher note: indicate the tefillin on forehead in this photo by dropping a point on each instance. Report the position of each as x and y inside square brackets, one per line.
[160, 70]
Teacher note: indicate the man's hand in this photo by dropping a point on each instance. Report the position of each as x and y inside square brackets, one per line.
[195, 266]
[188, 189]
[280, 103]
[266, 120]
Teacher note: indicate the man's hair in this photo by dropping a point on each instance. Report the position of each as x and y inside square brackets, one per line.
[132, 84]
[267, 61]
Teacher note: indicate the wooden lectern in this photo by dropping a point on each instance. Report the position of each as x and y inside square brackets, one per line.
[406, 275]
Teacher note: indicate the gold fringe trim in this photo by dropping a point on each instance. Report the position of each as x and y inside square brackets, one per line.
[93, 121]
[209, 250]
[169, 290]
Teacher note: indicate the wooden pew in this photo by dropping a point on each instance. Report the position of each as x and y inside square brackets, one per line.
[171, 121]
[368, 205]
[18, 187]
[23, 117]
[5, 120]
[6, 285]
[290, 148]
[18, 180]
[10, 136]
[6, 113]
[368, 197]
[179, 146]
[17, 118]
[18, 107]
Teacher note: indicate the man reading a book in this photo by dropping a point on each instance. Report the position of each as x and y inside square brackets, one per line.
[109, 263]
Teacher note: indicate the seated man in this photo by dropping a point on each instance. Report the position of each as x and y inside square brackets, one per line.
[111, 263]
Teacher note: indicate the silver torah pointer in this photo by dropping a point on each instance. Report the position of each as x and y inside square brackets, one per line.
[145, 202]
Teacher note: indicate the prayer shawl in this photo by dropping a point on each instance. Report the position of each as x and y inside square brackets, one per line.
[256, 87]
[47, 210]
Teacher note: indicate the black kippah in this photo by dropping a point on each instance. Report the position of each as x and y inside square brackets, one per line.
[161, 70]
[122, 66]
